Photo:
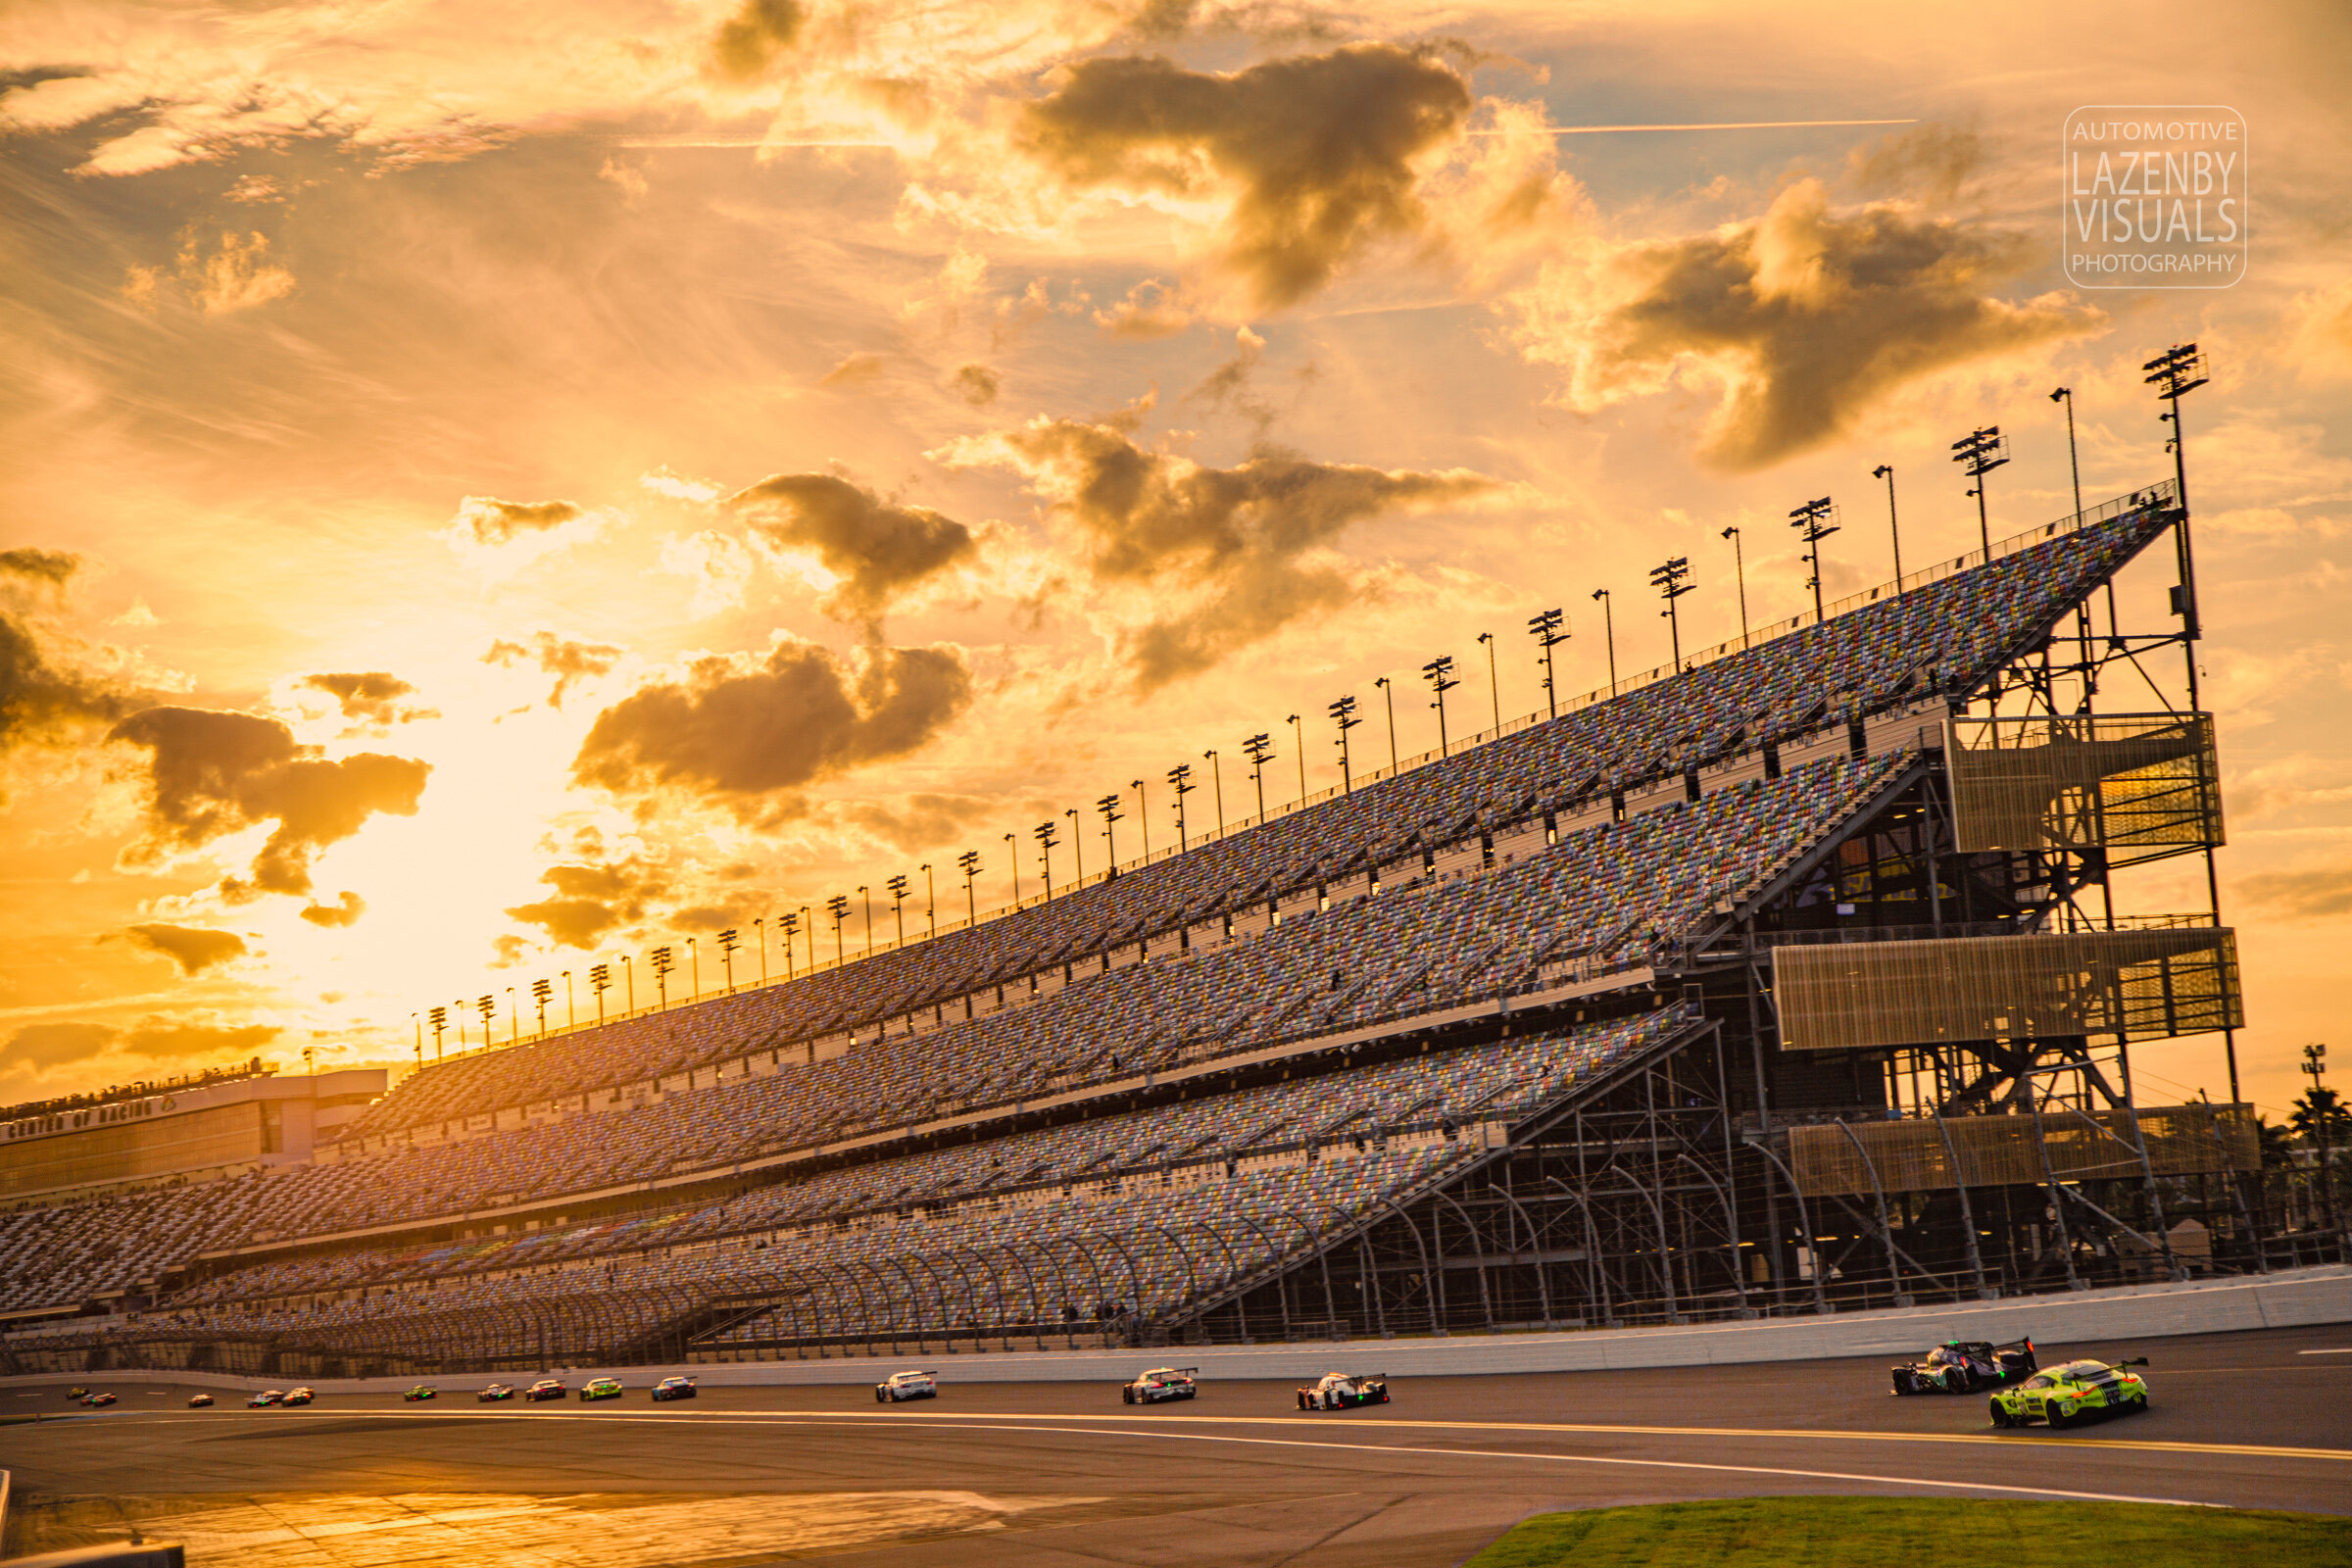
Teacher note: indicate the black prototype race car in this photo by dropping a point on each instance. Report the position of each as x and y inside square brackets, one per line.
[1965, 1366]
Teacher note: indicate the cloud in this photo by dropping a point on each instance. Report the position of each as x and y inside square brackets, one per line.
[749, 41]
[2323, 893]
[877, 550]
[51, 567]
[1318, 152]
[1228, 385]
[1239, 542]
[236, 275]
[1927, 163]
[214, 773]
[488, 520]
[345, 910]
[569, 661]
[2319, 341]
[855, 369]
[744, 734]
[592, 899]
[1803, 318]
[370, 695]
[43, 703]
[154, 1037]
[977, 384]
[195, 948]
[55, 1044]
[1149, 310]
[718, 565]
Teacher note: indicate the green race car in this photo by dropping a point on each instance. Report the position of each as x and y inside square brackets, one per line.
[600, 1389]
[2080, 1391]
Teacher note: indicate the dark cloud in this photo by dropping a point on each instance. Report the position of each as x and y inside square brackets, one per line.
[746, 736]
[492, 521]
[43, 703]
[1318, 148]
[1236, 538]
[749, 42]
[157, 1039]
[1228, 385]
[194, 947]
[51, 567]
[978, 384]
[568, 662]
[345, 910]
[54, 1045]
[1928, 162]
[853, 369]
[370, 696]
[1816, 316]
[2324, 893]
[918, 820]
[591, 899]
[876, 548]
[213, 773]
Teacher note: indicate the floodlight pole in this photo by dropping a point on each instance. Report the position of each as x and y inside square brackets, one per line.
[1143, 816]
[1740, 572]
[1180, 780]
[1979, 452]
[1343, 713]
[1216, 774]
[1387, 695]
[1546, 628]
[1894, 533]
[1608, 634]
[1258, 748]
[1671, 580]
[1298, 746]
[1108, 805]
[1077, 849]
[1438, 672]
[1013, 853]
[1494, 683]
[969, 864]
[1813, 520]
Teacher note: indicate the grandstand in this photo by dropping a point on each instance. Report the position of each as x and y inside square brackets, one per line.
[1789, 980]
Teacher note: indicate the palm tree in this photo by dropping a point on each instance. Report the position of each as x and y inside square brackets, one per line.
[2321, 1119]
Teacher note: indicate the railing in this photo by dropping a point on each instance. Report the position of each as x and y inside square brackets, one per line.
[2159, 497]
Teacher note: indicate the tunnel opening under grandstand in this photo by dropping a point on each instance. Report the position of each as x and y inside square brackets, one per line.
[1515, 1040]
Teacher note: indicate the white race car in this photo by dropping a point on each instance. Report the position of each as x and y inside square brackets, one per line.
[907, 1386]
[1341, 1390]
[1162, 1383]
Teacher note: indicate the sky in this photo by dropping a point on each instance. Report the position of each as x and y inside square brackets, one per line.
[494, 489]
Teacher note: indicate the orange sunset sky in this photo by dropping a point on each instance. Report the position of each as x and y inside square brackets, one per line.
[492, 488]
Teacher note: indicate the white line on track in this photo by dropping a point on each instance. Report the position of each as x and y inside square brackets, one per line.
[835, 1419]
[2346, 1350]
[1019, 1422]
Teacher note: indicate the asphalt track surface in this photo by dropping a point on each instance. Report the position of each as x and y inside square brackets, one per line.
[1062, 1474]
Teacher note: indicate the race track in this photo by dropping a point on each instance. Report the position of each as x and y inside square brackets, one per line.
[1060, 1473]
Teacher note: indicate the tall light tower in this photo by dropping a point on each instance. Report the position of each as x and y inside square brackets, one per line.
[1180, 780]
[541, 989]
[1608, 634]
[663, 963]
[1438, 672]
[1387, 697]
[1258, 748]
[1813, 524]
[600, 981]
[897, 905]
[968, 863]
[1043, 834]
[1108, 807]
[1550, 629]
[1894, 533]
[728, 940]
[2173, 374]
[1979, 453]
[1672, 581]
[1739, 576]
[838, 906]
[1143, 816]
[1343, 713]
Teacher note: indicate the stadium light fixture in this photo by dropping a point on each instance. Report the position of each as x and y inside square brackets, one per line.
[572, 1008]
[1180, 779]
[418, 1021]
[541, 989]
[694, 955]
[1258, 748]
[1299, 750]
[488, 1007]
[2175, 374]
[1494, 683]
[439, 1019]
[1143, 816]
[867, 893]
[1043, 834]
[969, 864]
[628, 975]
[514, 1018]
[838, 906]
[600, 981]
[1438, 672]
[1894, 533]
[2074, 455]
[1608, 633]
[789, 923]
[1812, 520]
[1216, 774]
[1108, 807]
[809, 924]
[1343, 713]
[897, 905]
[660, 962]
[930, 898]
[1013, 848]
[759, 939]
[1077, 848]
[1740, 574]
[728, 940]
[1550, 629]
[1672, 581]
[1387, 695]
[1979, 452]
